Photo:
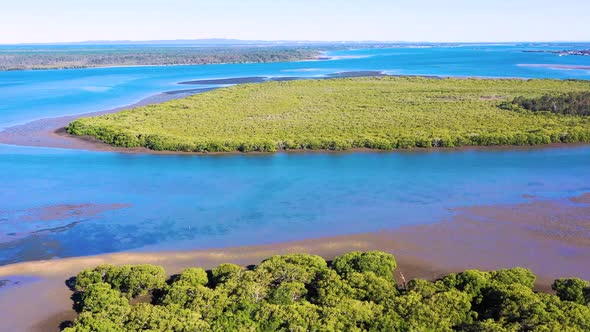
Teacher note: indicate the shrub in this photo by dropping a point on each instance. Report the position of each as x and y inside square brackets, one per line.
[130, 280]
[301, 292]
[381, 264]
[575, 290]
[572, 103]
[194, 276]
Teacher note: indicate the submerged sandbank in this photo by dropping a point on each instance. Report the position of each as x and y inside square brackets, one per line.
[554, 66]
[549, 236]
[19, 224]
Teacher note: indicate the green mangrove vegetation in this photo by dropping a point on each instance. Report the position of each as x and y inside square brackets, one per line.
[298, 292]
[338, 114]
[573, 103]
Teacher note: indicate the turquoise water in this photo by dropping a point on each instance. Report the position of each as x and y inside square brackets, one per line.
[28, 95]
[181, 202]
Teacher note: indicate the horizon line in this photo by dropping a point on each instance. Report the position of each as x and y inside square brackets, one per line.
[230, 41]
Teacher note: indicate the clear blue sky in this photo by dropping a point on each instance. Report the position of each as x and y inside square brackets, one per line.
[393, 20]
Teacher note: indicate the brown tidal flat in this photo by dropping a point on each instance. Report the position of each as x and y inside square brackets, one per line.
[50, 132]
[582, 199]
[551, 237]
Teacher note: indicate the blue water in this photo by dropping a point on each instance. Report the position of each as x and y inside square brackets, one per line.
[28, 95]
[174, 202]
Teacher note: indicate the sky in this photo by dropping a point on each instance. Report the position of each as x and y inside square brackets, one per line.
[27, 21]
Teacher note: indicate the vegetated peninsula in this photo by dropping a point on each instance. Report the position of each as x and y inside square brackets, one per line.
[383, 113]
[298, 292]
[69, 57]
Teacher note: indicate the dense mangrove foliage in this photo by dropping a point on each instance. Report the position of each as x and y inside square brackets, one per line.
[299, 292]
[573, 103]
[338, 114]
[62, 57]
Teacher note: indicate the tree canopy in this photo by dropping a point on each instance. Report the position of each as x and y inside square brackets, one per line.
[298, 292]
[573, 103]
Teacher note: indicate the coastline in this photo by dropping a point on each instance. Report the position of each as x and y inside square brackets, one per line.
[548, 236]
[44, 134]
[317, 57]
[50, 132]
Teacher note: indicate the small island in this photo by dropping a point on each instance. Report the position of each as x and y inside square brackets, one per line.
[563, 52]
[383, 113]
[575, 52]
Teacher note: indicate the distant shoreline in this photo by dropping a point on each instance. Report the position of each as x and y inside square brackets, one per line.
[315, 58]
[563, 52]
[152, 55]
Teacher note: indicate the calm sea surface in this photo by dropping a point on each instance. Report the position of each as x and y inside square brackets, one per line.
[59, 203]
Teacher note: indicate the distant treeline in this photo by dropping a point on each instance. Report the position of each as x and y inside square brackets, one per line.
[299, 292]
[562, 52]
[21, 58]
[573, 103]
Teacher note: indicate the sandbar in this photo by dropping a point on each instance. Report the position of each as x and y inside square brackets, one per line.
[554, 66]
